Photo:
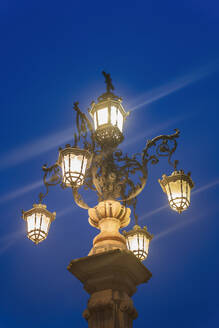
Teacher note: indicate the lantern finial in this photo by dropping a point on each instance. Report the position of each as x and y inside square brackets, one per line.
[108, 81]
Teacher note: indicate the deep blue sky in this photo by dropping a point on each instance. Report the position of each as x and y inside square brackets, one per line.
[163, 58]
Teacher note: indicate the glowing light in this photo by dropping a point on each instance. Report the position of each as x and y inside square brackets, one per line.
[137, 241]
[102, 116]
[74, 162]
[108, 116]
[178, 187]
[116, 118]
[38, 221]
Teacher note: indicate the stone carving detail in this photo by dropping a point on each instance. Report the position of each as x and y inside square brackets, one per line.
[108, 216]
[109, 309]
[110, 278]
[109, 209]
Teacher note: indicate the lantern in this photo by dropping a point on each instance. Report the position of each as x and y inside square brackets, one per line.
[38, 221]
[178, 187]
[137, 241]
[74, 162]
[108, 116]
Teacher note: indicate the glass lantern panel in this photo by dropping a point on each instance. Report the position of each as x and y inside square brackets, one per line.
[45, 224]
[30, 223]
[174, 194]
[73, 168]
[65, 164]
[120, 121]
[75, 163]
[102, 116]
[84, 166]
[146, 244]
[38, 220]
[114, 115]
[178, 193]
[132, 243]
[186, 190]
[95, 120]
[139, 245]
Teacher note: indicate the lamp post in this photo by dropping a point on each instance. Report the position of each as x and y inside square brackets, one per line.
[113, 268]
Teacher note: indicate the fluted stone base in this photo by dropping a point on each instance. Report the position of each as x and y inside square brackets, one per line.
[111, 279]
[108, 216]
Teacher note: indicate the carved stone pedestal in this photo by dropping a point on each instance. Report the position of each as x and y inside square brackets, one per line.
[111, 279]
[108, 216]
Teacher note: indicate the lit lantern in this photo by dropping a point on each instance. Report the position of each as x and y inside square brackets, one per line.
[74, 162]
[108, 116]
[178, 187]
[38, 221]
[137, 241]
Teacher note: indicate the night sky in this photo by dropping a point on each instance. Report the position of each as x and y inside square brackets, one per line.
[164, 60]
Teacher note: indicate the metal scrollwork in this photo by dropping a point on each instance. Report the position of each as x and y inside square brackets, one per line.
[52, 177]
[83, 127]
[112, 174]
[130, 167]
[164, 149]
[78, 199]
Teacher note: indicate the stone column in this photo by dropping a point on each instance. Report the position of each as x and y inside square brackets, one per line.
[111, 279]
[110, 273]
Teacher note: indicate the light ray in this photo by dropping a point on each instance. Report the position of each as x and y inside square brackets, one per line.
[205, 187]
[35, 148]
[66, 211]
[175, 85]
[9, 240]
[151, 213]
[174, 228]
[178, 226]
[151, 133]
[21, 191]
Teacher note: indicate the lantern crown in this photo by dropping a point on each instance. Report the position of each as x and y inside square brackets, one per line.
[39, 208]
[137, 228]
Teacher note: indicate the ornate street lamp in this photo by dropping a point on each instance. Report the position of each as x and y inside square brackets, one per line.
[138, 240]
[178, 187]
[74, 162]
[112, 270]
[38, 220]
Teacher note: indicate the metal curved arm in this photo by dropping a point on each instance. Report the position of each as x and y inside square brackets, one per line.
[83, 126]
[78, 199]
[52, 177]
[163, 149]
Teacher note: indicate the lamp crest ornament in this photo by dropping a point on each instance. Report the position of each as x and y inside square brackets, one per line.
[108, 81]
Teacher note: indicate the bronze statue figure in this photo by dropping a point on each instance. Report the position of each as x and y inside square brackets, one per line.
[108, 81]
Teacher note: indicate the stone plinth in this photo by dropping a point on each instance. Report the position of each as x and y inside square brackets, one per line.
[111, 279]
[108, 216]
